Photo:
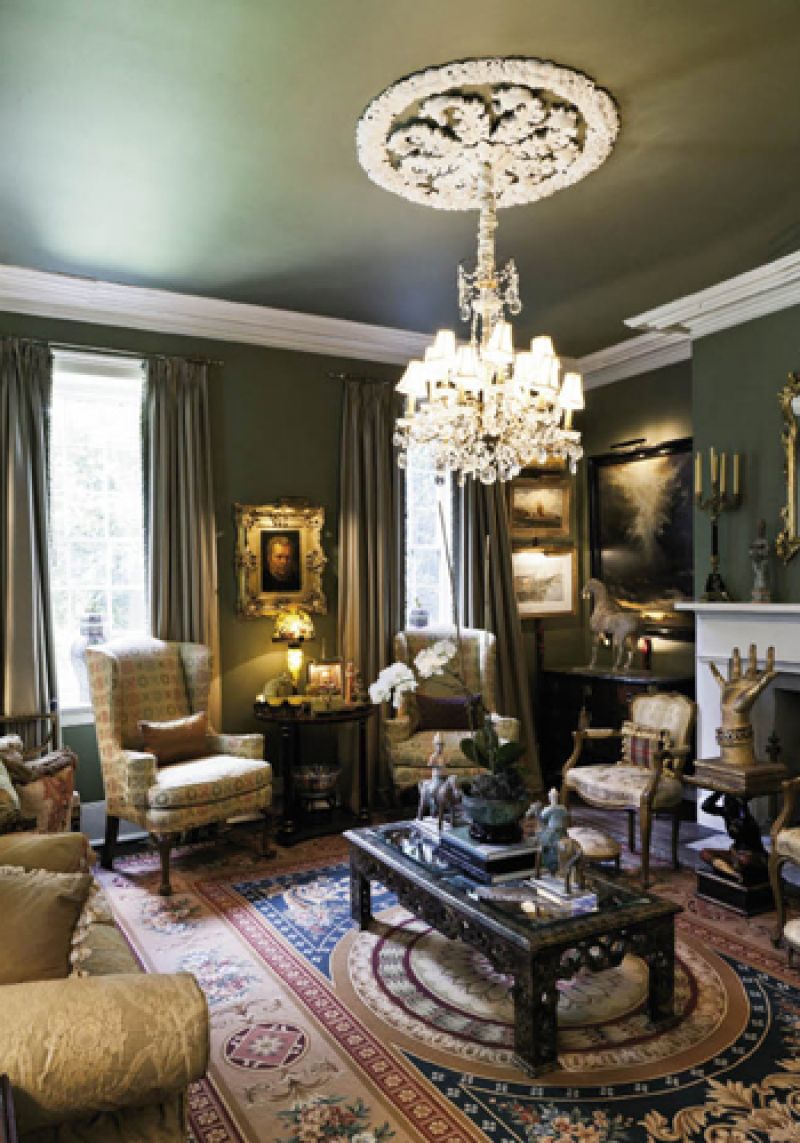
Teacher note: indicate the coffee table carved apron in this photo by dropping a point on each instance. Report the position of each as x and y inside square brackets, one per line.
[536, 954]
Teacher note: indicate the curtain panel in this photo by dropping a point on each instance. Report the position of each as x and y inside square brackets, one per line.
[179, 506]
[370, 546]
[27, 659]
[481, 512]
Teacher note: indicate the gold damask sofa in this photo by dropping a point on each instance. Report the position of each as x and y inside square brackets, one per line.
[107, 1055]
[148, 679]
[408, 747]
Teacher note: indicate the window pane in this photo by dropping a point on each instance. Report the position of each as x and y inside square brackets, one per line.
[428, 522]
[96, 511]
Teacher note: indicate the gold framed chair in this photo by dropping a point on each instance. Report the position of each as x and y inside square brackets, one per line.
[785, 849]
[648, 778]
[148, 679]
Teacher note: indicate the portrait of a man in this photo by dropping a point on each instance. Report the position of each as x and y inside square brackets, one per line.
[280, 560]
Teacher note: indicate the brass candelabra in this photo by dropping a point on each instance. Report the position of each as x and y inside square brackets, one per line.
[719, 500]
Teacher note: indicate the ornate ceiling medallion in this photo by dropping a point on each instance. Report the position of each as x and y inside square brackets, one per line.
[538, 126]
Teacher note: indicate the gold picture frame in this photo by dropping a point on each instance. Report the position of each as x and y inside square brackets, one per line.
[325, 677]
[787, 543]
[540, 506]
[279, 557]
[545, 581]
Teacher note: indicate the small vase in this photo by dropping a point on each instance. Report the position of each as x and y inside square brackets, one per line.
[92, 632]
[418, 617]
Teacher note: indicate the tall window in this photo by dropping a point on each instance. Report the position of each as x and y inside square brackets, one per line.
[97, 553]
[427, 579]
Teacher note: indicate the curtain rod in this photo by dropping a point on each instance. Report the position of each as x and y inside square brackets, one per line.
[358, 377]
[110, 350]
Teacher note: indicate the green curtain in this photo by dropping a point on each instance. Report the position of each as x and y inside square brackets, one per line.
[370, 553]
[179, 505]
[481, 512]
[27, 660]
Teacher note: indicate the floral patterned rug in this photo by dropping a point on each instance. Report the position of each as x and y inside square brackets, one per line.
[320, 1032]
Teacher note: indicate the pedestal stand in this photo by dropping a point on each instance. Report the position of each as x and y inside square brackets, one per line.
[746, 889]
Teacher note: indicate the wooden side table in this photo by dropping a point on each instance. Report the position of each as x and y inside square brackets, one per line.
[738, 785]
[292, 719]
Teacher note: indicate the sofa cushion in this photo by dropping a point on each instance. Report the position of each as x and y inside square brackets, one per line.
[446, 712]
[639, 744]
[151, 684]
[205, 780]
[788, 844]
[622, 786]
[60, 852]
[40, 910]
[178, 740]
[417, 749]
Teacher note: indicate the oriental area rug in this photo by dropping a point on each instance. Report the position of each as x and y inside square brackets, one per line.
[320, 1032]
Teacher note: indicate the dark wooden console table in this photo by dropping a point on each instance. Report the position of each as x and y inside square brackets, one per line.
[536, 951]
[292, 720]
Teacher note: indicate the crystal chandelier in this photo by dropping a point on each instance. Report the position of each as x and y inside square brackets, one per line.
[488, 133]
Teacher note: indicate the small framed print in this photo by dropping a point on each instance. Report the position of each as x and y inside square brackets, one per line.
[545, 581]
[325, 677]
[540, 504]
[279, 557]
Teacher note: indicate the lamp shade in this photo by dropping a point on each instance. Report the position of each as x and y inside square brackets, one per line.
[500, 346]
[571, 395]
[545, 366]
[292, 625]
[414, 382]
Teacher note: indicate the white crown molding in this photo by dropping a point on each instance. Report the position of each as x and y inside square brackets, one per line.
[105, 303]
[765, 290]
[630, 358]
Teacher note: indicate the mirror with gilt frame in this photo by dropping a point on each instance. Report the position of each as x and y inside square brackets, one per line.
[787, 543]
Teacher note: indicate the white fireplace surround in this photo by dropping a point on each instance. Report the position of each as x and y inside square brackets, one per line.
[720, 628]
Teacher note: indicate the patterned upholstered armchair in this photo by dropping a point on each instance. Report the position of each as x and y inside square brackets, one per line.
[786, 848]
[648, 779]
[147, 679]
[408, 747]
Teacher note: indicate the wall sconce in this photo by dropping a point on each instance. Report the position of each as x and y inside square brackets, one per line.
[293, 625]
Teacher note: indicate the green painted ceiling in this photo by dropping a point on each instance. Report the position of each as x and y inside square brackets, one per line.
[208, 146]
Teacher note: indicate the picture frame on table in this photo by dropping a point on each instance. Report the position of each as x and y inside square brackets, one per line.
[540, 506]
[545, 581]
[325, 677]
[640, 531]
[279, 557]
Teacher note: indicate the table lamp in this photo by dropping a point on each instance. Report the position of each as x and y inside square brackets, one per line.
[293, 625]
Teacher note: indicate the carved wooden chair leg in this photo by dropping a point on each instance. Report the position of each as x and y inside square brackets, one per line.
[676, 828]
[775, 866]
[631, 830]
[110, 844]
[164, 843]
[645, 830]
[267, 848]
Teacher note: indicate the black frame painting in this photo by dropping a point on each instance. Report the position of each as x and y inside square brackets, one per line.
[640, 532]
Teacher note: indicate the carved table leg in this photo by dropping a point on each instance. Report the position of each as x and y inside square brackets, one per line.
[360, 898]
[535, 1013]
[660, 959]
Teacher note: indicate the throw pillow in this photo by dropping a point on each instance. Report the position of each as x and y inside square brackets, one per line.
[60, 853]
[446, 712]
[45, 793]
[40, 911]
[639, 743]
[178, 740]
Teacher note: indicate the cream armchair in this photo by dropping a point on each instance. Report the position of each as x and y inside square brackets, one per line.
[648, 779]
[153, 680]
[785, 848]
[408, 748]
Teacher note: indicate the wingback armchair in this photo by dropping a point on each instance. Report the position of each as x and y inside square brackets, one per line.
[409, 747]
[785, 849]
[147, 679]
[648, 778]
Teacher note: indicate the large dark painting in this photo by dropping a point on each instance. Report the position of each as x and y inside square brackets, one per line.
[641, 531]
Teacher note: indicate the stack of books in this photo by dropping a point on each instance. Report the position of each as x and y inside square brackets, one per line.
[490, 864]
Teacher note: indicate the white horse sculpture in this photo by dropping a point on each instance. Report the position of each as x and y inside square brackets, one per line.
[611, 620]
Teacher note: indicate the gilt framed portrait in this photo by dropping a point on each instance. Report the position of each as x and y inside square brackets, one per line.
[540, 506]
[545, 581]
[640, 531]
[279, 557]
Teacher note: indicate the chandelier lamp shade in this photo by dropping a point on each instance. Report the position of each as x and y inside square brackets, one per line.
[484, 134]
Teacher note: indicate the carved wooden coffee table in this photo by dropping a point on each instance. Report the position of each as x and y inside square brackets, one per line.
[537, 951]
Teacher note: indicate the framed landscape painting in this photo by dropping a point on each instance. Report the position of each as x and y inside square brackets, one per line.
[540, 505]
[545, 582]
[640, 528]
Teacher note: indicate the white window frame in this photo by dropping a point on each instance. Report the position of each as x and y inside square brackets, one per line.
[444, 495]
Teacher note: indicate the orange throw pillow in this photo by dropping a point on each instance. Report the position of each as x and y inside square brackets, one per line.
[178, 740]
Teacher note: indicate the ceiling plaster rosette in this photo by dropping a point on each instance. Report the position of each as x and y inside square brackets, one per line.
[541, 127]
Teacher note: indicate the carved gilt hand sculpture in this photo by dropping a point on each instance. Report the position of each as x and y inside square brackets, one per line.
[738, 693]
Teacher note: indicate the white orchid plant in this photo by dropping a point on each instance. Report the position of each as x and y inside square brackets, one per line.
[398, 678]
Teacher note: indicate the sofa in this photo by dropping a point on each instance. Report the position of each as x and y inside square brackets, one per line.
[104, 1052]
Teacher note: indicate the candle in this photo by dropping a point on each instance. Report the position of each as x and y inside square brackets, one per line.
[736, 459]
[713, 467]
[722, 481]
[698, 474]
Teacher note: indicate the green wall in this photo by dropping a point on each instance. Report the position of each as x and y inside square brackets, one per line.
[276, 423]
[658, 407]
[737, 376]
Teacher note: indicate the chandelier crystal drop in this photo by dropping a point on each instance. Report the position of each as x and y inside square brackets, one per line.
[487, 133]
